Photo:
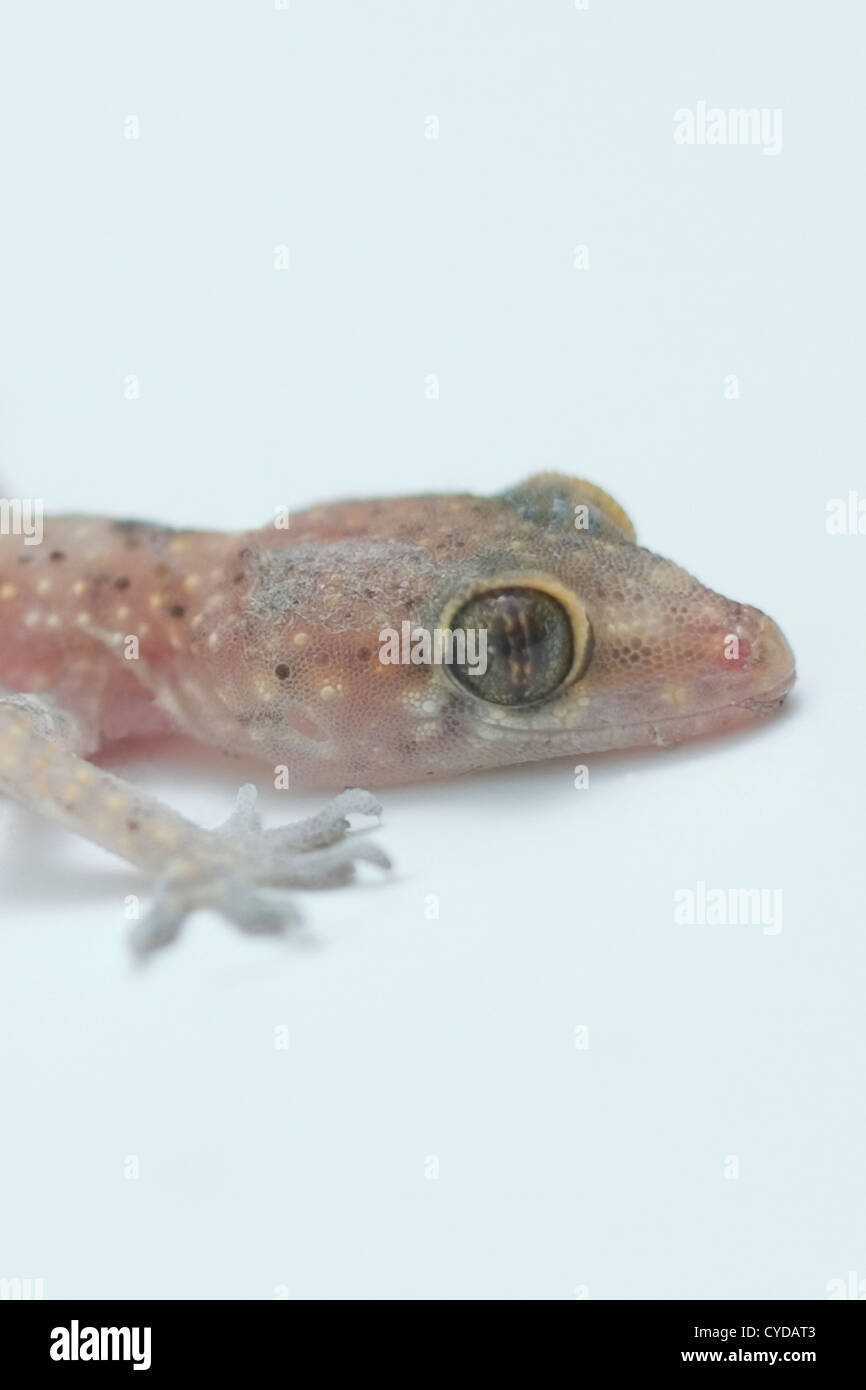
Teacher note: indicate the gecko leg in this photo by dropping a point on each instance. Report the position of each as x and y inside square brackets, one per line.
[41, 766]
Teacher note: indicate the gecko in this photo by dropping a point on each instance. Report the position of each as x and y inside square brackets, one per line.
[269, 643]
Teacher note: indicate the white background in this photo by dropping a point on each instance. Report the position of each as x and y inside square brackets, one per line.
[559, 1168]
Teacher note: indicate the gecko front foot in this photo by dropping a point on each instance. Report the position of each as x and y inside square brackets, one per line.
[223, 869]
[233, 861]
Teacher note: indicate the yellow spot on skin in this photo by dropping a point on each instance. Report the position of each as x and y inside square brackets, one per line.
[192, 582]
[327, 692]
[84, 776]
[114, 802]
[163, 835]
[213, 640]
[676, 695]
[179, 545]
[40, 763]
[196, 621]
[82, 620]
[122, 612]
[8, 591]
[154, 601]
[17, 730]
[71, 793]
[78, 587]
[584, 700]
[44, 586]
[10, 760]
[301, 639]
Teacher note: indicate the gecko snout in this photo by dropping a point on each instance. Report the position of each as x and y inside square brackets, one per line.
[771, 664]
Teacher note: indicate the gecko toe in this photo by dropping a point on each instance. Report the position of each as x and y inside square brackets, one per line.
[177, 896]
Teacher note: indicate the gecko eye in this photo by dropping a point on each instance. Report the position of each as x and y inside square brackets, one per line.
[531, 645]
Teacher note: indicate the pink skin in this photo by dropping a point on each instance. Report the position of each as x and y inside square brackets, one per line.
[268, 644]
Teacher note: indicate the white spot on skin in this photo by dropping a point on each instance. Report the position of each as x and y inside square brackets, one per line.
[44, 586]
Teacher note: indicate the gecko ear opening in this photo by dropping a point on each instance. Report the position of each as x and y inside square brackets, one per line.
[552, 500]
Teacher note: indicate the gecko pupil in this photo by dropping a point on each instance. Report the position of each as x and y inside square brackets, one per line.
[530, 645]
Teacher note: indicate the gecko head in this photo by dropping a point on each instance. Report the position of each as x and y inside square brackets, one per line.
[595, 643]
[589, 641]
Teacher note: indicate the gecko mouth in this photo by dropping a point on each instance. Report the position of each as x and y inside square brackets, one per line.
[769, 701]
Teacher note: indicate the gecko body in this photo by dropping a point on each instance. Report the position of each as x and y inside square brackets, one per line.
[269, 643]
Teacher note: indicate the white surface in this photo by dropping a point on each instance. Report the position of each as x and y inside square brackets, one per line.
[559, 1167]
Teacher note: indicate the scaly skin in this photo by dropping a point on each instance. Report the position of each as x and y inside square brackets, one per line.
[267, 643]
